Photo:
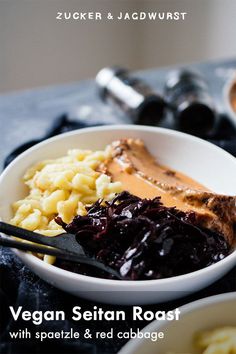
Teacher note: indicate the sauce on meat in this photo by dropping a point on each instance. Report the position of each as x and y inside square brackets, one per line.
[141, 175]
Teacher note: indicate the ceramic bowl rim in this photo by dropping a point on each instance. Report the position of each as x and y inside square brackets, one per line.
[196, 305]
[112, 282]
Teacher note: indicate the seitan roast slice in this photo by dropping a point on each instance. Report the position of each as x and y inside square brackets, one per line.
[141, 175]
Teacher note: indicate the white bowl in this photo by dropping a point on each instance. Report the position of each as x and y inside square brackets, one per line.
[205, 162]
[205, 314]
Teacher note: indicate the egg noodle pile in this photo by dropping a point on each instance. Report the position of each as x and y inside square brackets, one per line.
[63, 187]
[218, 341]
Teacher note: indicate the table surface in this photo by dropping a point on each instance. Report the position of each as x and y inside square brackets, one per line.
[37, 108]
[28, 115]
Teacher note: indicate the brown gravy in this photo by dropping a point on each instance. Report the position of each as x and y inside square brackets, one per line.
[233, 97]
[143, 188]
[141, 160]
[141, 175]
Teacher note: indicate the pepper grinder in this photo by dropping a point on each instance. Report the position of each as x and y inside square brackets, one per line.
[132, 95]
[193, 108]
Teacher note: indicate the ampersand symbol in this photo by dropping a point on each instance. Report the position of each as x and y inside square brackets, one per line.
[109, 16]
[87, 334]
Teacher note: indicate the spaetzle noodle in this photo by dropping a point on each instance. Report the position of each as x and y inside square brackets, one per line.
[218, 341]
[64, 187]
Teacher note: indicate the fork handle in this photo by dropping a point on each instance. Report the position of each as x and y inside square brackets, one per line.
[25, 246]
[24, 234]
[12, 243]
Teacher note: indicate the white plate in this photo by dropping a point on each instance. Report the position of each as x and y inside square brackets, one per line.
[205, 162]
[201, 315]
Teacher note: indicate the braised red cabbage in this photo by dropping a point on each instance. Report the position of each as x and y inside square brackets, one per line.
[143, 239]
